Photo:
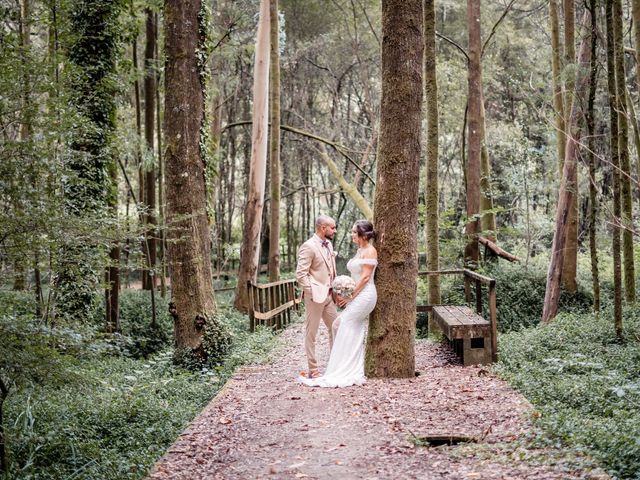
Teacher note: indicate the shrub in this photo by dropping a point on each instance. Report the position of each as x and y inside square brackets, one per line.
[139, 338]
[111, 416]
[584, 382]
[520, 295]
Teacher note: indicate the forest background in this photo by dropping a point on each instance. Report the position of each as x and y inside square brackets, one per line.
[84, 205]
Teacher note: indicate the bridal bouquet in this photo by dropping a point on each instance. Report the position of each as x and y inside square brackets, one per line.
[343, 285]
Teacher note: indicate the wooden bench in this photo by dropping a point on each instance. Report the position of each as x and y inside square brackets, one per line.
[469, 334]
[473, 338]
[270, 304]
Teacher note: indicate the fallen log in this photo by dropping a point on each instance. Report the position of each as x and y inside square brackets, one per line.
[497, 250]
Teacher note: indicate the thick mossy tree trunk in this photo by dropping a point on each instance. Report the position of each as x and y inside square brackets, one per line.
[274, 146]
[623, 152]
[390, 344]
[250, 249]
[615, 173]
[474, 135]
[192, 304]
[431, 99]
[92, 57]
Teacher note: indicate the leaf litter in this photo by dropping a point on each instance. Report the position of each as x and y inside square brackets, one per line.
[263, 424]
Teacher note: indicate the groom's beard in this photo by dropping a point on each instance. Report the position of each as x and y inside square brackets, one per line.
[329, 236]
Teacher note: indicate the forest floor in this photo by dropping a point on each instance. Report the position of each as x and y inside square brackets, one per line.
[263, 424]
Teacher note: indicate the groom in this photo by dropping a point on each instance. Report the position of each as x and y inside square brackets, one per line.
[315, 271]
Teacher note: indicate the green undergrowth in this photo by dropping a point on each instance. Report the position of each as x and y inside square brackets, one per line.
[584, 384]
[86, 405]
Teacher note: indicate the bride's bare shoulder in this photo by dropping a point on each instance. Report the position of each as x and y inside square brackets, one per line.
[370, 253]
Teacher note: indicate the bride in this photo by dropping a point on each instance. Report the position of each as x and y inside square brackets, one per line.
[346, 362]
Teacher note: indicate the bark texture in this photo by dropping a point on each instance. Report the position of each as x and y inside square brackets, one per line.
[488, 219]
[390, 343]
[615, 167]
[570, 262]
[250, 249]
[567, 186]
[474, 135]
[623, 151]
[192, 301]
[274, 146]
[148, 279]
[556, 70]
[431, 99]
[593, 198]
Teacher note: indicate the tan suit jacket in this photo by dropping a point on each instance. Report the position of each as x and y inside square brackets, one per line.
[316, 269]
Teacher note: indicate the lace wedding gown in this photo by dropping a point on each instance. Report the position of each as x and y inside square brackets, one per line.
[346, 362]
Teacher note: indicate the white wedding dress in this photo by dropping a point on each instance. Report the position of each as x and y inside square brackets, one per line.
[346, 362]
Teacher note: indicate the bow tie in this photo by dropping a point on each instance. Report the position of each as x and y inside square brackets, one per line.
[325, 243]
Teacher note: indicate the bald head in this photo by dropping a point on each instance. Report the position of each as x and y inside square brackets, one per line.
[325, 227]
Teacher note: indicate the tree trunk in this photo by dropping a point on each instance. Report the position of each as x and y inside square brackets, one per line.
[88, 192]
[570, 263]
[567, 186]
[192, 301]
[556, 69]
[390, 343]
[348, 188]
[20, 271]
[149, 282]
[274, 150]
[471, 251]
[593, 199]
[161, 201]
[488, 220]
[4, 465]
[431, 99]
[615, 173]
[623, 152]
[250, 249]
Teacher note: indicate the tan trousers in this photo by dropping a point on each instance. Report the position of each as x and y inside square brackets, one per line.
[313, 313]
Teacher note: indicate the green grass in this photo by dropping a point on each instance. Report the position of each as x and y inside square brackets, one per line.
[584, 383]
[105, 414]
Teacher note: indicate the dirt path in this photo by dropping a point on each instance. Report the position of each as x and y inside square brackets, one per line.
[264, 425]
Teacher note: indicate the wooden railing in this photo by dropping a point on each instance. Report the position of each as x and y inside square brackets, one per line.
[270, 304]
[478, 280]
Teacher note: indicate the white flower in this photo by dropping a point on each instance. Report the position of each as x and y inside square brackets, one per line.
[343, 285]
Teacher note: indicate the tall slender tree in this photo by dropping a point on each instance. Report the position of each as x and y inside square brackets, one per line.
[431, 99]
[623, 152]
[570, 263]
[567, 185]
[591, 145]
[150, 246]
[274, 146]
[250, 249]
[390, 343]
[471, 252]
[556, 72]
[615, 167]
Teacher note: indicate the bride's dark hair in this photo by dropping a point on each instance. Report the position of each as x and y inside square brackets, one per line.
[364, 229]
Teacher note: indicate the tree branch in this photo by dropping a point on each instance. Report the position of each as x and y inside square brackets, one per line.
[341, 149]
[495, 26]
[447, 39]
